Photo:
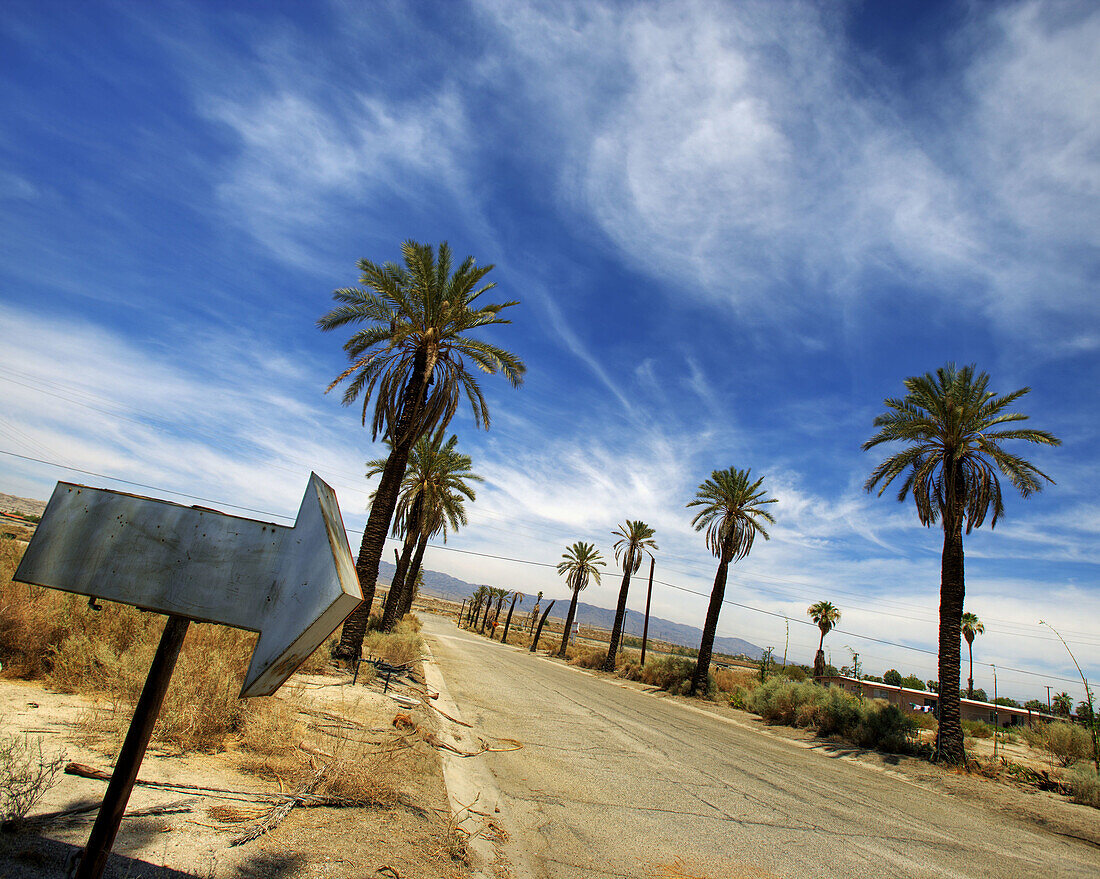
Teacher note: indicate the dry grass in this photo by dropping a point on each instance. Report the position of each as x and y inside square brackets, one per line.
[398, 647]
[57, 638]
[1065, 742]
[586, 656]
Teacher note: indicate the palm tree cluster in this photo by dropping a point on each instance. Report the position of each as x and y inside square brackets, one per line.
[416, 339]
[412, 354]
[433, 492]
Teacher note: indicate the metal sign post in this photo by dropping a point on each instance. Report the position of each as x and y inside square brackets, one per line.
[293, 585]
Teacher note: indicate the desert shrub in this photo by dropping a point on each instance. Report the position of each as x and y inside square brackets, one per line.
[672, 673]
[977, 729]
[739, 698]
[1084, 785]
[832, 711]
[726, 680]
[1066, 742]
[26, 773]
[588, 657]
[795, 673]
[885, 727]
[779, 701]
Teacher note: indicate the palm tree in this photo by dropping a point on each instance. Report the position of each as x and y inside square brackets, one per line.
[732, 512]
[635, 539]
[950, 425]
[411, 355]
[535, 612]
[971, 627]
[517, 597]
[432, 496]
[476, 598]
[580, 562]
[826, 615]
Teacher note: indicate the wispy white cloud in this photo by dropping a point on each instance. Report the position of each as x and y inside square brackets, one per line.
[740, 153]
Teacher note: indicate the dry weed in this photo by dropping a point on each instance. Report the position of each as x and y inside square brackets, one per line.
[26, 773]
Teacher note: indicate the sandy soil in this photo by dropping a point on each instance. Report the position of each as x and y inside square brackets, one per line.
[408, 837]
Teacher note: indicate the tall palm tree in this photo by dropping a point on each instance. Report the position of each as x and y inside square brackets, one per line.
[432, 496]
[733, 509]
[535, 612]
[517, 598]
[971, 627]
[635, 540]
[411, 354]
[826, 615]
[950, 424]
[580, 562]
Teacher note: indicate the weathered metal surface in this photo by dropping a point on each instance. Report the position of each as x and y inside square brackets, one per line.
[293, 585]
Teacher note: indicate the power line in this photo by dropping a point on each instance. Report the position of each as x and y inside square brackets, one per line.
[192, 497]
[38, 384]
[532, 562]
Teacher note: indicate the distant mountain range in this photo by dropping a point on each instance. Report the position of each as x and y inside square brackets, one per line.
[446, 586]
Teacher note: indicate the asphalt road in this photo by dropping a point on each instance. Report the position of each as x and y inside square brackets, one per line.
[615, 782]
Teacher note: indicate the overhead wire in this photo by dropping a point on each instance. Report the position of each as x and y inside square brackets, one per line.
[445, 548]
[916, 612]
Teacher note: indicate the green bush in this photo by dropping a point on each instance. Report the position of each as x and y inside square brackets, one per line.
[886, 727]
[977, 729]
[832, 711]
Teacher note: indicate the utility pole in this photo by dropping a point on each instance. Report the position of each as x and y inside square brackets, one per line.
[996, 717]
[648, 596]
[1048, 697]
[786, 641]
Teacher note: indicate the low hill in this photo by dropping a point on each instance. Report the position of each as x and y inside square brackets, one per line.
[446, 586]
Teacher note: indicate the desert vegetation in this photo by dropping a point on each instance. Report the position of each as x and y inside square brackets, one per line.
[412, 355]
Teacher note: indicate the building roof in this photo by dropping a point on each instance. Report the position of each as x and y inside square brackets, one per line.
[929, 694]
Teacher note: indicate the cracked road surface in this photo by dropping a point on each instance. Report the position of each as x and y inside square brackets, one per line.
[615, 782]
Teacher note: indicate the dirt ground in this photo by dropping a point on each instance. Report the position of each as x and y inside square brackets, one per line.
[407, 833]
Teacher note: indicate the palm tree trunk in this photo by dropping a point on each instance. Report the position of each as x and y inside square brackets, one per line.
[409, 592]
[699, 680]
[381, 511]
[569, 623]
[496, 616]
[970, 679]
[542, 622]
[393, 599]
[949, 736]
[508, 622]
[620, 613]
[819, 657]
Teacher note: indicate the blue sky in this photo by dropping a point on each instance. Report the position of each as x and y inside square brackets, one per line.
[734, 229]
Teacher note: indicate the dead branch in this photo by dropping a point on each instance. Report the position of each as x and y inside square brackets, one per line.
[277, 814]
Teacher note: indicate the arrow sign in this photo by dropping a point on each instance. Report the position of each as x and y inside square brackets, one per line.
[293, 585]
